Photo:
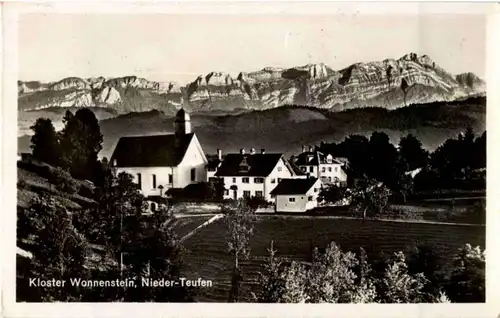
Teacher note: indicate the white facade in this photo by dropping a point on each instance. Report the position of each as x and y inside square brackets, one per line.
[298, 202]
[255, 186]
[329, 172]
[190, 170]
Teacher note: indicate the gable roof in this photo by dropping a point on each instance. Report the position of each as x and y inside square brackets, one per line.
[314, 158]
[259, 165]
[294, 186]
[151, 151]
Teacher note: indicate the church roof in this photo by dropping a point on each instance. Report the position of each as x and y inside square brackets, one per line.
[151, 151]
[256, 165]
[294, 186]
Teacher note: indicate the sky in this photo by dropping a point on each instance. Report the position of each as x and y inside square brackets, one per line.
[179, 48]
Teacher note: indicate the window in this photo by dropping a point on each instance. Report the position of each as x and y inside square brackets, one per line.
[170, 178]
[154, 181]
[193, 174]
[311, 169]
[336, 169]
[315, 189]
[139, 180]
[329, 178]
[259, 194]
[234, 180]
[291, 199]
[280, 168]
[246, 180]
[329, 169]
[273, 180]
[153, 207]
[323, 169]
[310, 198]
[258, 180]
[226, 192]
[246, 194]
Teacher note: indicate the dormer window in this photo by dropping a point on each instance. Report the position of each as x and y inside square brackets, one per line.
[310, 158]
[244, 165]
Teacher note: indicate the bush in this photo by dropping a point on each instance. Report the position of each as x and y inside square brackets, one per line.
[63, 181]
[257, 202]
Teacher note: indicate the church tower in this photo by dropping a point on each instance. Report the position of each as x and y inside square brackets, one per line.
[182, 124]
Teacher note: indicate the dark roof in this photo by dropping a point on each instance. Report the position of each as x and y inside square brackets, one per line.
[213, 161]
[297, 170]
[294, 186]
[313, 158]
[151, 151]
[257, 165]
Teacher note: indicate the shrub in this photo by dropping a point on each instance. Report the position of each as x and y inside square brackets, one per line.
[257, 202]
[63, 181]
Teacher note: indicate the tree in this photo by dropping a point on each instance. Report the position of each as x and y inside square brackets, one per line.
[466, 277]
[44, 142]
[382, 159]
[154, 253]
[331, 194]
[81, 141]
[411, 153]
[239, 221]
[480, 151]
[369, 198]
[332, 278]
[271, 280]
[398, 286]
[59, 251]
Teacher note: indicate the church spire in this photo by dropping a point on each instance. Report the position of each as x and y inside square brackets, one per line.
[182, 124]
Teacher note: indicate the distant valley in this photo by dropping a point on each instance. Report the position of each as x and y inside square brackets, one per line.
[286, 128]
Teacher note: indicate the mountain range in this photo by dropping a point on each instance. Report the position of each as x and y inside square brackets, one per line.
[317, 85]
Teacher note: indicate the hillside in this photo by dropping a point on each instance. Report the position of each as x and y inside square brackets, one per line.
[376, 83]
[287, 128]
[208, 257]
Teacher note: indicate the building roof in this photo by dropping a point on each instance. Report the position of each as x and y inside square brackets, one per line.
[213, 162]
[151, 151]
[314, 158]
[294, 186]
[256, 165]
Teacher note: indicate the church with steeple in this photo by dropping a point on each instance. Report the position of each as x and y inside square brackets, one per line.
[162, 162]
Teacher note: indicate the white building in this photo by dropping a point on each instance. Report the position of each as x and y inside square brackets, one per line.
[253, 174]
[162, 162]
[297, 195]
[324, 167]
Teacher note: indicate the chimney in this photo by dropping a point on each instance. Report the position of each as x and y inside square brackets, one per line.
[252, 151]
[310, 149]
[219, 154]
[304, 148]
[242, 151]
[262, 151]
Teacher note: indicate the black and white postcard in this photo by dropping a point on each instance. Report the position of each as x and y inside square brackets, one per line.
[174, 158]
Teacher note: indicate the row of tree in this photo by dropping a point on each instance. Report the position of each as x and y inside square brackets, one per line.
[344, 277]
[377, 158]
[75, 148]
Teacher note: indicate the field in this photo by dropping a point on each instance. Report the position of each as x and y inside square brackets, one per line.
[184, 225]
[295, 237]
